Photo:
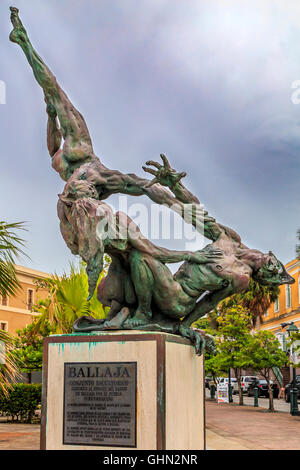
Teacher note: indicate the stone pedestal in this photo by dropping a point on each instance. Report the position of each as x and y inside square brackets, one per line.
[122, 390]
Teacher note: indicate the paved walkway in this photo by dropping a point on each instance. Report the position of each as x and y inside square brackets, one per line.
[234, 427]
[228, 427]
[19, 436]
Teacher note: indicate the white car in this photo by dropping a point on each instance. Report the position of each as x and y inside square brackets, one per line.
[245, 382]
[233, 381]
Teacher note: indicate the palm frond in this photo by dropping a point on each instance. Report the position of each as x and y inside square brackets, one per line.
[11, 247]
[10, 368]
[68, 300]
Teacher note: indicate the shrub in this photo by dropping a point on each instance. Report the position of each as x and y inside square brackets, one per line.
[21, 402]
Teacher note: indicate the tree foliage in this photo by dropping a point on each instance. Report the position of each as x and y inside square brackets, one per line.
[234, 335]
[67, 300]
[21, 401]
[28, 347]
[10, 248]
[265, 354]
[257, 299]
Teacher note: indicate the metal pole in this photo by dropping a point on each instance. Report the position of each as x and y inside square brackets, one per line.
[229, 388]
[256, 396]
[294, 396]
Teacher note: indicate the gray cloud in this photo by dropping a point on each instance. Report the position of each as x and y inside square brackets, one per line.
[208, 83]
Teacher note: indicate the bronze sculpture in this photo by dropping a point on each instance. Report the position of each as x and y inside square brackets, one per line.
[140, 289]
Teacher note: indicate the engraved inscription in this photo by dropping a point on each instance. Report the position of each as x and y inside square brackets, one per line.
[100, 404]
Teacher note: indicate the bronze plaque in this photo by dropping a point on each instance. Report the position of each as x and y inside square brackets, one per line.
[100, 404]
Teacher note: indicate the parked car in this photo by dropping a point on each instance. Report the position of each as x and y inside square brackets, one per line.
[233, 380]
[235, 387]
[288, 388]
[262, 388]
[245, 381]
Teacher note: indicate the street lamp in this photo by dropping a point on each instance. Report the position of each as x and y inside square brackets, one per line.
[292, 328]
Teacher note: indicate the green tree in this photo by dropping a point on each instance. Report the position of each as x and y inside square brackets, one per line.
[265, 353]
[293, 344]
[28, 348]
[257, 299]
[206, 325]
[68, 300]
[234, 333]
[212, 359]
[214, 366]
[10, 248]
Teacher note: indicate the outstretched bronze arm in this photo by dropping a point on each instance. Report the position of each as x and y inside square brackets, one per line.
[165, 175]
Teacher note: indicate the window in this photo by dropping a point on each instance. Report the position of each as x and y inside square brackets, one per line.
[29, 299]
[3, 325]
[276, 305]
[288, 296]
[4, 301]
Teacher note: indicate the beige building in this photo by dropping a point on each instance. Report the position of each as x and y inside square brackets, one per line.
[284, 310]
[16, 311]
[287, 306]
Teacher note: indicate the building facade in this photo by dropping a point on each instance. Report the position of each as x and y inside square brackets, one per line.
[287, 306]
[16, 311]
[285, 309]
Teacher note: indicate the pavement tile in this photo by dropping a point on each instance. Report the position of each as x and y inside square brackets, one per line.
[253, 428]
[19, 436]
[228, 427]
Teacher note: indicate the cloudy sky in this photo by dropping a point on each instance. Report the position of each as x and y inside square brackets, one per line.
[209, 83]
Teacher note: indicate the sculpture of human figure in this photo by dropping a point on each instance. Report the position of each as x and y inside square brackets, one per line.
[197, 287]
[90, 228]
[206, 277]
[76, 159]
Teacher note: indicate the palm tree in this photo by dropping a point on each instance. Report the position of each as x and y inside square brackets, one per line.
[67, 300]
[256, 300]
[10, 248]
[9, 364]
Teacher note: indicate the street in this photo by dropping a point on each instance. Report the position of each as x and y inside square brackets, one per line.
[279, 404]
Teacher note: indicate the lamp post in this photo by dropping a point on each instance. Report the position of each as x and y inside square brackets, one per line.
[294, 392]
[255, 389]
